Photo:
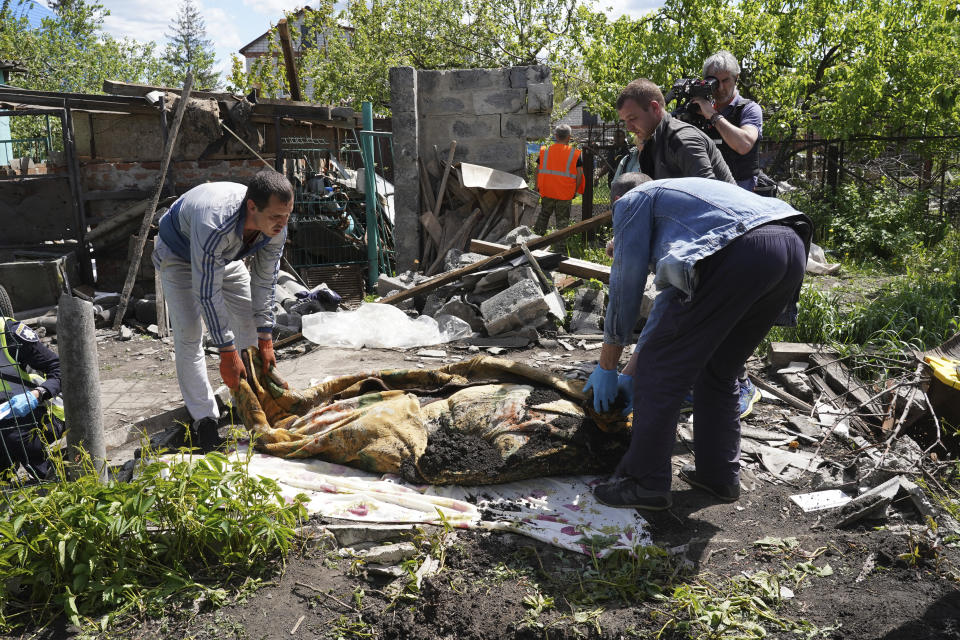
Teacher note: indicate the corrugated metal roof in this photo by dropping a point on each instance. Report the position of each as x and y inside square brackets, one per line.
[34, 12]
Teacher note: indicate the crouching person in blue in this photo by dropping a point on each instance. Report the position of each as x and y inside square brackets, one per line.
[728, 263]
[28, 420]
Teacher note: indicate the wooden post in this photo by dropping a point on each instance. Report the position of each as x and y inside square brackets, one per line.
[286, 44]
[152, 208]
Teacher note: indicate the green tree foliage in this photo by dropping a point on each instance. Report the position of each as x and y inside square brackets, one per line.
[837, 68]
[70, 52]
[346, 55]
[189, 48]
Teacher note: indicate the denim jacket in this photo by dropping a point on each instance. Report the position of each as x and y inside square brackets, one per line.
[667, 227]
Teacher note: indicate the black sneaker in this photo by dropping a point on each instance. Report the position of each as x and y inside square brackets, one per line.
[626, 491]
[205, 435]
[725, 492]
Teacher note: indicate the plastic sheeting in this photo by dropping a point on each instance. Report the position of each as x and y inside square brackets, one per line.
[381, 326]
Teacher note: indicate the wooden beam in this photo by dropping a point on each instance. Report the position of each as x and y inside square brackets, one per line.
[569, 266]
[286, 44]
[512, 252]
[152, 206]
[130, 89]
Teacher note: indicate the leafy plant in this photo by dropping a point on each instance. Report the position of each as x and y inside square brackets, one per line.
[182, 530]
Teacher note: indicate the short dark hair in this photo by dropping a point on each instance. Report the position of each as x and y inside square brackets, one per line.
[268, 183]
[625, 182]
[641, 91]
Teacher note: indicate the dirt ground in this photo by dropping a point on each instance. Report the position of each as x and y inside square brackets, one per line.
[885, 582]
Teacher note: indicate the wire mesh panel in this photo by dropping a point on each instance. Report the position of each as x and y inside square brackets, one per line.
[328, 225]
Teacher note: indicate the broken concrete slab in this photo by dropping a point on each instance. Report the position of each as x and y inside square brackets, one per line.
[348, 535]
[391, 553]
[459, 308]
[520, 305]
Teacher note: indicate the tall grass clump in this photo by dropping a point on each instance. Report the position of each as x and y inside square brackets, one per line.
[188, 529]
[873, 224]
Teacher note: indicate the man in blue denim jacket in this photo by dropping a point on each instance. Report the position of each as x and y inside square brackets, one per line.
[727, 263]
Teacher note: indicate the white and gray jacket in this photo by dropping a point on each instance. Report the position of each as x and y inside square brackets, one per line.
[204, 227]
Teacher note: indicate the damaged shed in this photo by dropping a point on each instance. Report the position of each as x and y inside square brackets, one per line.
[86, 186]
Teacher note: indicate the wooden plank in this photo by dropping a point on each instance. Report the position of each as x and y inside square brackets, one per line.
[544, 280]
[791, 400]
[850, 387]
[289, 63]
[429, 200]
[78, 101]
[443, 182]
[433, 227]
[130, 89]
[512, 252]
[569, 266]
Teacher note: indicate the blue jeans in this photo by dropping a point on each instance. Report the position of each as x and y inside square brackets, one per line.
[703, 344]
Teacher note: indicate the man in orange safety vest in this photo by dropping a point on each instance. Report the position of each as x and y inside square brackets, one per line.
[559, 180]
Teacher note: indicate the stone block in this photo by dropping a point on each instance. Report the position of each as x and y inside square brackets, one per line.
[523, 272]
[342, 113]
[433, 304]
[348, 535]
[520, 306]
[540, 98]
[467, 312]
[471, 79]
[532, 126]
[522, 233]
[499, 100]
[386, 284]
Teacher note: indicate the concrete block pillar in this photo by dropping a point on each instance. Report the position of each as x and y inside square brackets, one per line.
[406, 140]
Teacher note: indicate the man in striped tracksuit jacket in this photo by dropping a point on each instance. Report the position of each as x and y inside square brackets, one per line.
[203, 239]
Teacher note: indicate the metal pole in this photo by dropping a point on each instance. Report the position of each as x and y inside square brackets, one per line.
[80, 386]
[366, 141]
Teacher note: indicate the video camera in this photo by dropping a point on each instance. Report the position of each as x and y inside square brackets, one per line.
[685, 89]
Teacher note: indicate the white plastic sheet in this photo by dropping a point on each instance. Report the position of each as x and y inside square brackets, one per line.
[381, 325]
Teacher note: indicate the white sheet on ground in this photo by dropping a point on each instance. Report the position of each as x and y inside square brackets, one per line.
[559, 511]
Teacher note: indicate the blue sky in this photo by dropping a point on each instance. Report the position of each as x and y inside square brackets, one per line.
[233, 23]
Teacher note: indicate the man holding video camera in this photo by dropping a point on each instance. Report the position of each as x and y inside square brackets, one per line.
[670, 148]
[733, 122]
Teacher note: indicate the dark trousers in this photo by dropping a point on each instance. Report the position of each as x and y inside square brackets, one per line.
[703, 344]
[24, 440]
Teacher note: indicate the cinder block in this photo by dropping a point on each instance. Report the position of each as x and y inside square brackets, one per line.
[443, 104]
[499, 100]
[439, 128]
[522, 305]
[537, 74]
[540, 98]
[525, 126]
[472, 79]
[518, 77]
[386, 284]
[467, 312]
[587, 311]
[504, 154]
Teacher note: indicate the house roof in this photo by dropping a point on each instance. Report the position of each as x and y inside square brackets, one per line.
[33, 11]
[295, 14]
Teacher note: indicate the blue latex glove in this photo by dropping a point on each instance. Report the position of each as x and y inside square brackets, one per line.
[23, 404]
[604, 385]
[625, 386]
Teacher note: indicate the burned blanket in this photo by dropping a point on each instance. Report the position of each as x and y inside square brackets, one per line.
[480, 421]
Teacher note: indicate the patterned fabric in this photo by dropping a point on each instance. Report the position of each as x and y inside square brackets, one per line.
[381, 421]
